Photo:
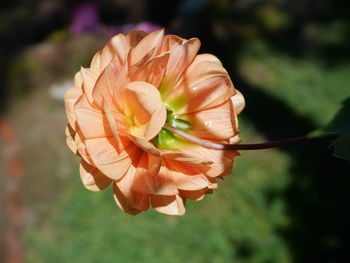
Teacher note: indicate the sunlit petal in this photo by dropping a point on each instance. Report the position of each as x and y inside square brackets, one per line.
[108, 160]
[238, 102]
[150, 43]
[169, 205]
[92, 122]
[89, 80]
[217, 123]
[70, 98]
[143, 108]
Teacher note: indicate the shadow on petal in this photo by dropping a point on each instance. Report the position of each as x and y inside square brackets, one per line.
[169, 205]
[92, 178]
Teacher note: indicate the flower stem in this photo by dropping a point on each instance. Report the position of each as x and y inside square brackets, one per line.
[255, 146]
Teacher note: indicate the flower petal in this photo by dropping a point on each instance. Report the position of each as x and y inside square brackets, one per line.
[203, 86]
[143, 144]
[95, 63]
[120, 47]
[222, 160]
[187, 176]
[169, 205]
[147, 176]
[70, 98]
[92, 122]
[144, 111]
[89, 81]
[152, 71]
[109, 84]
[123, 202]
[169, 42]
[181, 56]
[218, 123]
[205, 57]
[146, 45]
[92, 178]
[70, 133]
[115, 50]
[238, 102]
[193, 195]
[81, 148]
[157, 184]
[185, 158]
[135, 37]
[107, 159]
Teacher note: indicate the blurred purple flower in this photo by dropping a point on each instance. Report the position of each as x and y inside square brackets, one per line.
[85, 18]
[148, 27]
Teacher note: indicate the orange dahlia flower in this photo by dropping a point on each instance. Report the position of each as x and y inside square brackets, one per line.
[118, 108]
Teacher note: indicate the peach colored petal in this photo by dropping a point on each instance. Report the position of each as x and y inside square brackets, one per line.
[144, 111]
[180, 58]
[203, 58]
[92, 122]
[92, 178]
[234, 140]
[78, 80]
[120, 47]
[182, 55]
[206, 94]
[147, 177]
[134, 199]
[70, 98]
[187, 176]
[123, 203]
[103, 152]
[113, 124]
[169, 42]
[70, 133]
[213, 183]
[115, 51]
[152, 71]
[89, 81]
[218, 123]
[222, 160]
[185, 158]
[81, 148]
[109, 84]
[143, 144]
[198, 72]
[147, 44]
[169, 205]
[158, 184]
[95, 63]
[106, 57]
[238, 102]
[135, 37]
[204, 84]
[189, 182]
[193, 195]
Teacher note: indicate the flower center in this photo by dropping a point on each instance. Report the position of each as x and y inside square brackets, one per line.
[168, 140]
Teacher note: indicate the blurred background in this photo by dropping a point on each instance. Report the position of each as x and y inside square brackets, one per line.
[290, 59]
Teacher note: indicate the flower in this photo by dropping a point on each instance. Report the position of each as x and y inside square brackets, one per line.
[85, 18]
[118, 108]
[127, 28]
